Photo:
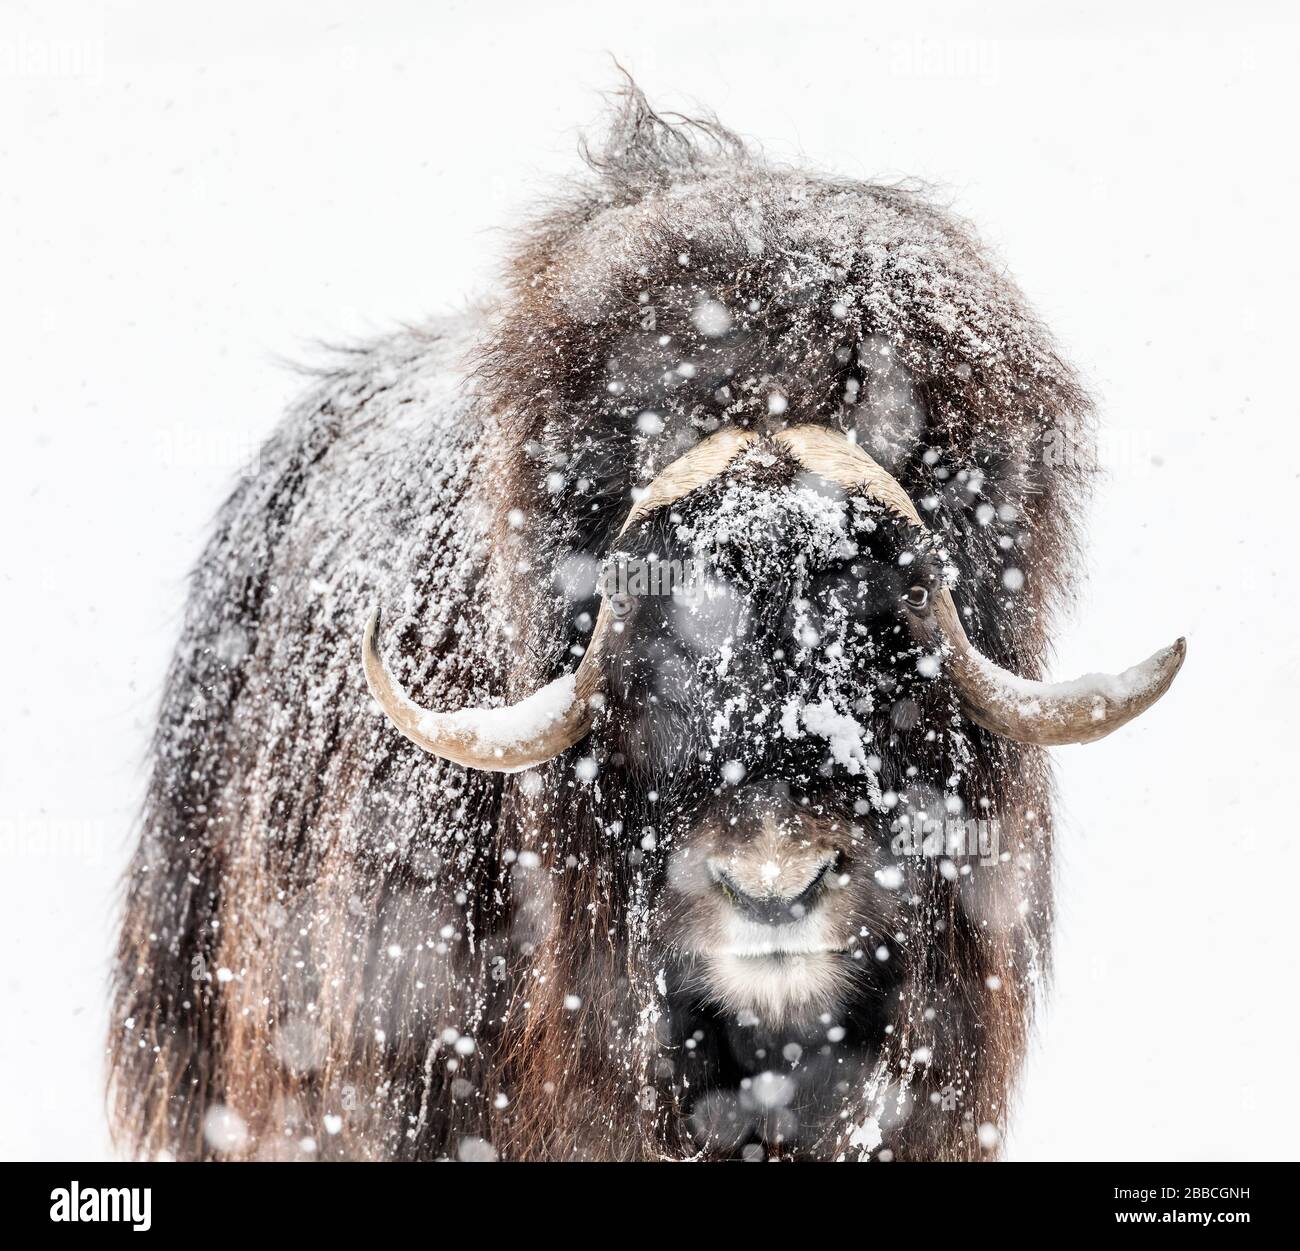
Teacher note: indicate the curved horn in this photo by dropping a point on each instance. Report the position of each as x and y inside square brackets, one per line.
[1047, 714]
[506, 739]
[551, 720]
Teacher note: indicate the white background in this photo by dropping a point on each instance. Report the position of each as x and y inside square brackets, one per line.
[189, 196]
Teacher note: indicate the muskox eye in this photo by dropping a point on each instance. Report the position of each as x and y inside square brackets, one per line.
[917, 597]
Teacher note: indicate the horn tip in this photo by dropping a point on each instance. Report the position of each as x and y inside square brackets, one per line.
[1162, 667]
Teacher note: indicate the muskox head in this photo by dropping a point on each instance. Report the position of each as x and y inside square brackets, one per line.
[786, 614]
[796, 426]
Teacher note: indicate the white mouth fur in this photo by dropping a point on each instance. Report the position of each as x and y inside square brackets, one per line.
[807, 936]
[777, 984]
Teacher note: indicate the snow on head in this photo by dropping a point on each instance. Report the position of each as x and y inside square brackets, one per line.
[738, 532]
[844, 734]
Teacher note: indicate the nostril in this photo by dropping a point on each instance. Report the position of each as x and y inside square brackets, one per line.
[774, 908]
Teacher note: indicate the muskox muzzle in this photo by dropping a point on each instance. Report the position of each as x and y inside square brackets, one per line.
[518, 736]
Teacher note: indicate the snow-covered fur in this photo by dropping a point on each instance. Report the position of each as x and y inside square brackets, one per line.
[337, 945]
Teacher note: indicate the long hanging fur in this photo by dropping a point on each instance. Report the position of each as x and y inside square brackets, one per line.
[335, 945]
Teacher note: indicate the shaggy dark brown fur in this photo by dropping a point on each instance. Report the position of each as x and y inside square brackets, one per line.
[335, 945]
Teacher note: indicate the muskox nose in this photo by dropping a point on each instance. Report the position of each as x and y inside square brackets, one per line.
[777, 902]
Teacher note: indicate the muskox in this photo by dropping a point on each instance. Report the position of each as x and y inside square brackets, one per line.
[686, 796]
